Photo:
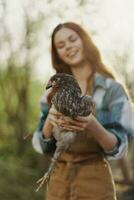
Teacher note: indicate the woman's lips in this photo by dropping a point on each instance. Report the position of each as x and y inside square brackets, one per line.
[72, 53]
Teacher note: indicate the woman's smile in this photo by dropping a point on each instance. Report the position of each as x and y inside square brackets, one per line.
[69, 46]
[72, 53]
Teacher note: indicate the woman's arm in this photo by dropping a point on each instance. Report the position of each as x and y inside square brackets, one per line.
[51, 121]
[114, 146]
[105, 139]
[111, 126]
[91, 127]
[39, 142]
[47, 129]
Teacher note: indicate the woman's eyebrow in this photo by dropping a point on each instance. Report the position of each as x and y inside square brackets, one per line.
[71, 36]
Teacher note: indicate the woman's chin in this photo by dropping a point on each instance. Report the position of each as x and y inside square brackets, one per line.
[74, 62]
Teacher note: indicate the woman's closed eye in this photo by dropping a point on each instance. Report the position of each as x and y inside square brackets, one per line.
[73, 38]
[60, 45]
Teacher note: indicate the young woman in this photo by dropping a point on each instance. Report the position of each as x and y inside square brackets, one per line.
[83, 172]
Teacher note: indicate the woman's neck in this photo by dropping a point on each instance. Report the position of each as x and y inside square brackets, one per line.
[82, 72]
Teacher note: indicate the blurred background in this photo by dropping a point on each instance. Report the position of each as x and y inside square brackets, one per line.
[25, 67]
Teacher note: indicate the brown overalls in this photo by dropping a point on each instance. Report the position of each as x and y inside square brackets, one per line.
[82, 173]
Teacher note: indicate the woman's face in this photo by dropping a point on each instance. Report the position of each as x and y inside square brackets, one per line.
[69, 46]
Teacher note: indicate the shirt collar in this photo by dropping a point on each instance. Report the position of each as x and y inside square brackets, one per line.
[99, 81]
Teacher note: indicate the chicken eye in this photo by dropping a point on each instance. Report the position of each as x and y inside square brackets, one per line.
[54, 83]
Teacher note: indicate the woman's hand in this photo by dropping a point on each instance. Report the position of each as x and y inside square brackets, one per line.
[54, 116]
[77, 124]
[88, 125]
[51, 121]
[67, 123]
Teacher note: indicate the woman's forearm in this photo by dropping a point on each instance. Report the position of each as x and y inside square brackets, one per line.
[47, 129]
[105, 139]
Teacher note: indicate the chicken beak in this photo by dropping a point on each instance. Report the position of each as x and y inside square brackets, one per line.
[49, 85]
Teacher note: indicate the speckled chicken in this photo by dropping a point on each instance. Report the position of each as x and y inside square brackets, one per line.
[69, 101]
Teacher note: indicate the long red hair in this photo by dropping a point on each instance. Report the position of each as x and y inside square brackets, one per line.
[90, 50]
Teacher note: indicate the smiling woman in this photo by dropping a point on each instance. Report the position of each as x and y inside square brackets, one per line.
[69, 46]
[79, 171]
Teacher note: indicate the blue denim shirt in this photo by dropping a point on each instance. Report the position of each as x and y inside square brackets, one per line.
[113, 111]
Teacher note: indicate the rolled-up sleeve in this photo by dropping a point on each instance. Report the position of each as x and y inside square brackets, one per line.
[117, 119]
[41, 144]
[121, 148]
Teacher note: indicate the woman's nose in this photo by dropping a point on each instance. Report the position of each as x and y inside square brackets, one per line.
[68, 45]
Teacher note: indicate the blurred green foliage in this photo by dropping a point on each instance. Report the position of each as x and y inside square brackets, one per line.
[20, 166]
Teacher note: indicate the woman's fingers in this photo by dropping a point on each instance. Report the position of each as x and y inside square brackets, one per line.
[84, 119]
[53, 123]
[54, 120]
[72, 125]
[73, 128]
[73, 122]
[54, 111]
[67, 123]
